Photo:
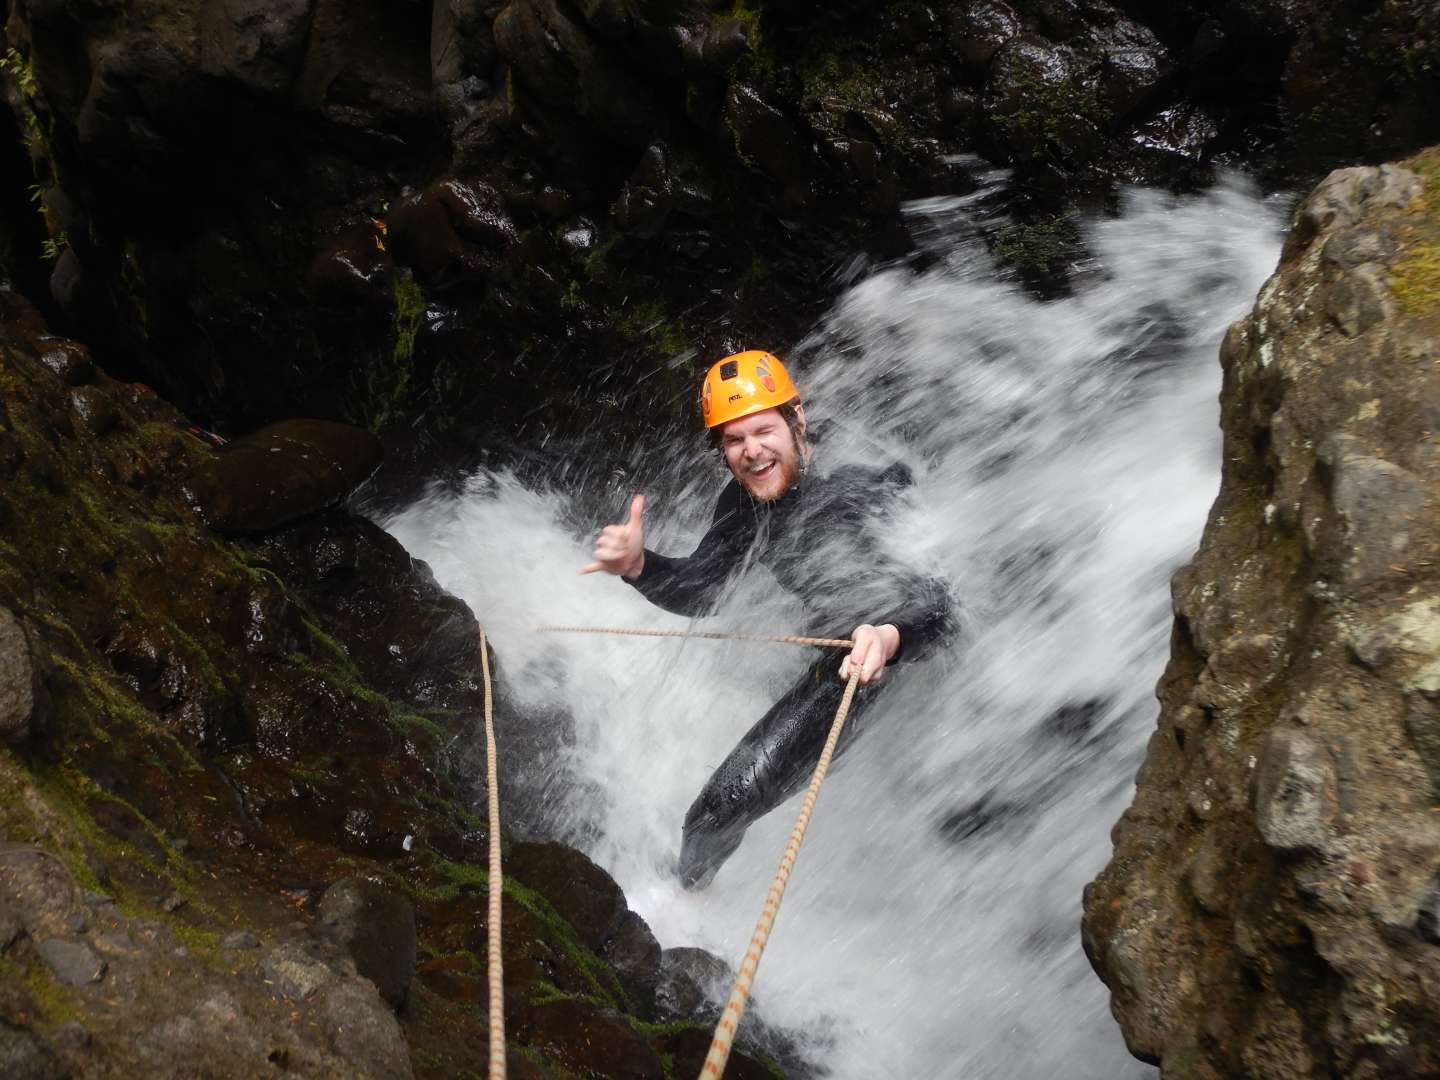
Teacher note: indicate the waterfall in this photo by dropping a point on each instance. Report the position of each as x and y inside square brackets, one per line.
[1065, 454]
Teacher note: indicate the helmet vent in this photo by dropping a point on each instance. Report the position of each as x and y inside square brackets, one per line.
[729, 369]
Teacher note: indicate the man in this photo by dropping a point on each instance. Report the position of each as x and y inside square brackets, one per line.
[817, 535]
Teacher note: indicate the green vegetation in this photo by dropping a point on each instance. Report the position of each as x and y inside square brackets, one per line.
[19, 68]
[760, 62]
[647, 320]
[1416, 274]
[409, 314]
[847, 75]
[56, 1004]
[1050, 115]
[51, 247]
[382, 382]
[1036, 246]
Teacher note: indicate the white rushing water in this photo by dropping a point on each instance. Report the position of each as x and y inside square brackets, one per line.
[1065, 456]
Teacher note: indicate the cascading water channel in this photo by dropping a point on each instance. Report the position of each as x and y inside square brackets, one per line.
[1065, 455]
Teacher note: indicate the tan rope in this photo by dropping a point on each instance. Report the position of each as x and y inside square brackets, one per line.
[495, 884]
[708, 635]
[730, 1018]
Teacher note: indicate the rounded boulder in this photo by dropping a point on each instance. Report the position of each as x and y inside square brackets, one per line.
[281, 472]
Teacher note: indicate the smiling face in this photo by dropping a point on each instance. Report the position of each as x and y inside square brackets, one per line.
[762, 452]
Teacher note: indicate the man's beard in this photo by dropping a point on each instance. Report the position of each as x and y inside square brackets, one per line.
[787, 469]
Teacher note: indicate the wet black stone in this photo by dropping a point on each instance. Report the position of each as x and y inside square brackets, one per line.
[281, 472]
[635, 954]
[71, 361]
[691, 981]
[1427, 920]
[377, 928]
[1074, 721]
[979, 818]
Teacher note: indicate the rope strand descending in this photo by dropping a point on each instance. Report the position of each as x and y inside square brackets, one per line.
[729, 1023]
[495, 884]
[735, 1008]
[707, 635]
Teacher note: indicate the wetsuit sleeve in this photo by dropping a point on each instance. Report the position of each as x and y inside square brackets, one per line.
[689, 586]
[924, 611]
[924, 615]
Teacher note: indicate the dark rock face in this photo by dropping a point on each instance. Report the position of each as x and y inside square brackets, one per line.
[635, 955]
[377, 928]
[20, 687]
[255, 737]
[358, 210]
[1270, 908]
[590, 900]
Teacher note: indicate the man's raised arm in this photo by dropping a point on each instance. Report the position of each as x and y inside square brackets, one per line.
[684, 586]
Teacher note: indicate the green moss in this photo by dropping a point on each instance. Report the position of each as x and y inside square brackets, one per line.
[1045, 112]
[202, 944]
[848, 77]
[104, 697]
[647, 321]
[345, 677]
[761, 61]
[19, 68]
[602, 978]
[68, 788]
[460, 879]
[547, 993]
[55, 1002]
[454, 811]
[382, 381]
[409, 313]
[597, 262]
[1036, 246]
[1416, 274]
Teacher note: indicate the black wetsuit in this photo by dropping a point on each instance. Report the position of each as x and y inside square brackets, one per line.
[820, 540]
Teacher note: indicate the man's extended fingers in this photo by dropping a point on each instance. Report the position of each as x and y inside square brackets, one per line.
[855, 657]
[594, 566]
[637, 507]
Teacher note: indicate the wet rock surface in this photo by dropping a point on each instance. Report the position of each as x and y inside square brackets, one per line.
[238, 840]
[281, 472]
[377, 928]
[20, 690]
[363, 212]
[1270, 907]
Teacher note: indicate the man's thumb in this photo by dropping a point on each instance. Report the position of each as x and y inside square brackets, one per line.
[637, 507]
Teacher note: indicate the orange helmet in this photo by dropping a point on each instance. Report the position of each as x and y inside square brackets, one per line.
[748, 382]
